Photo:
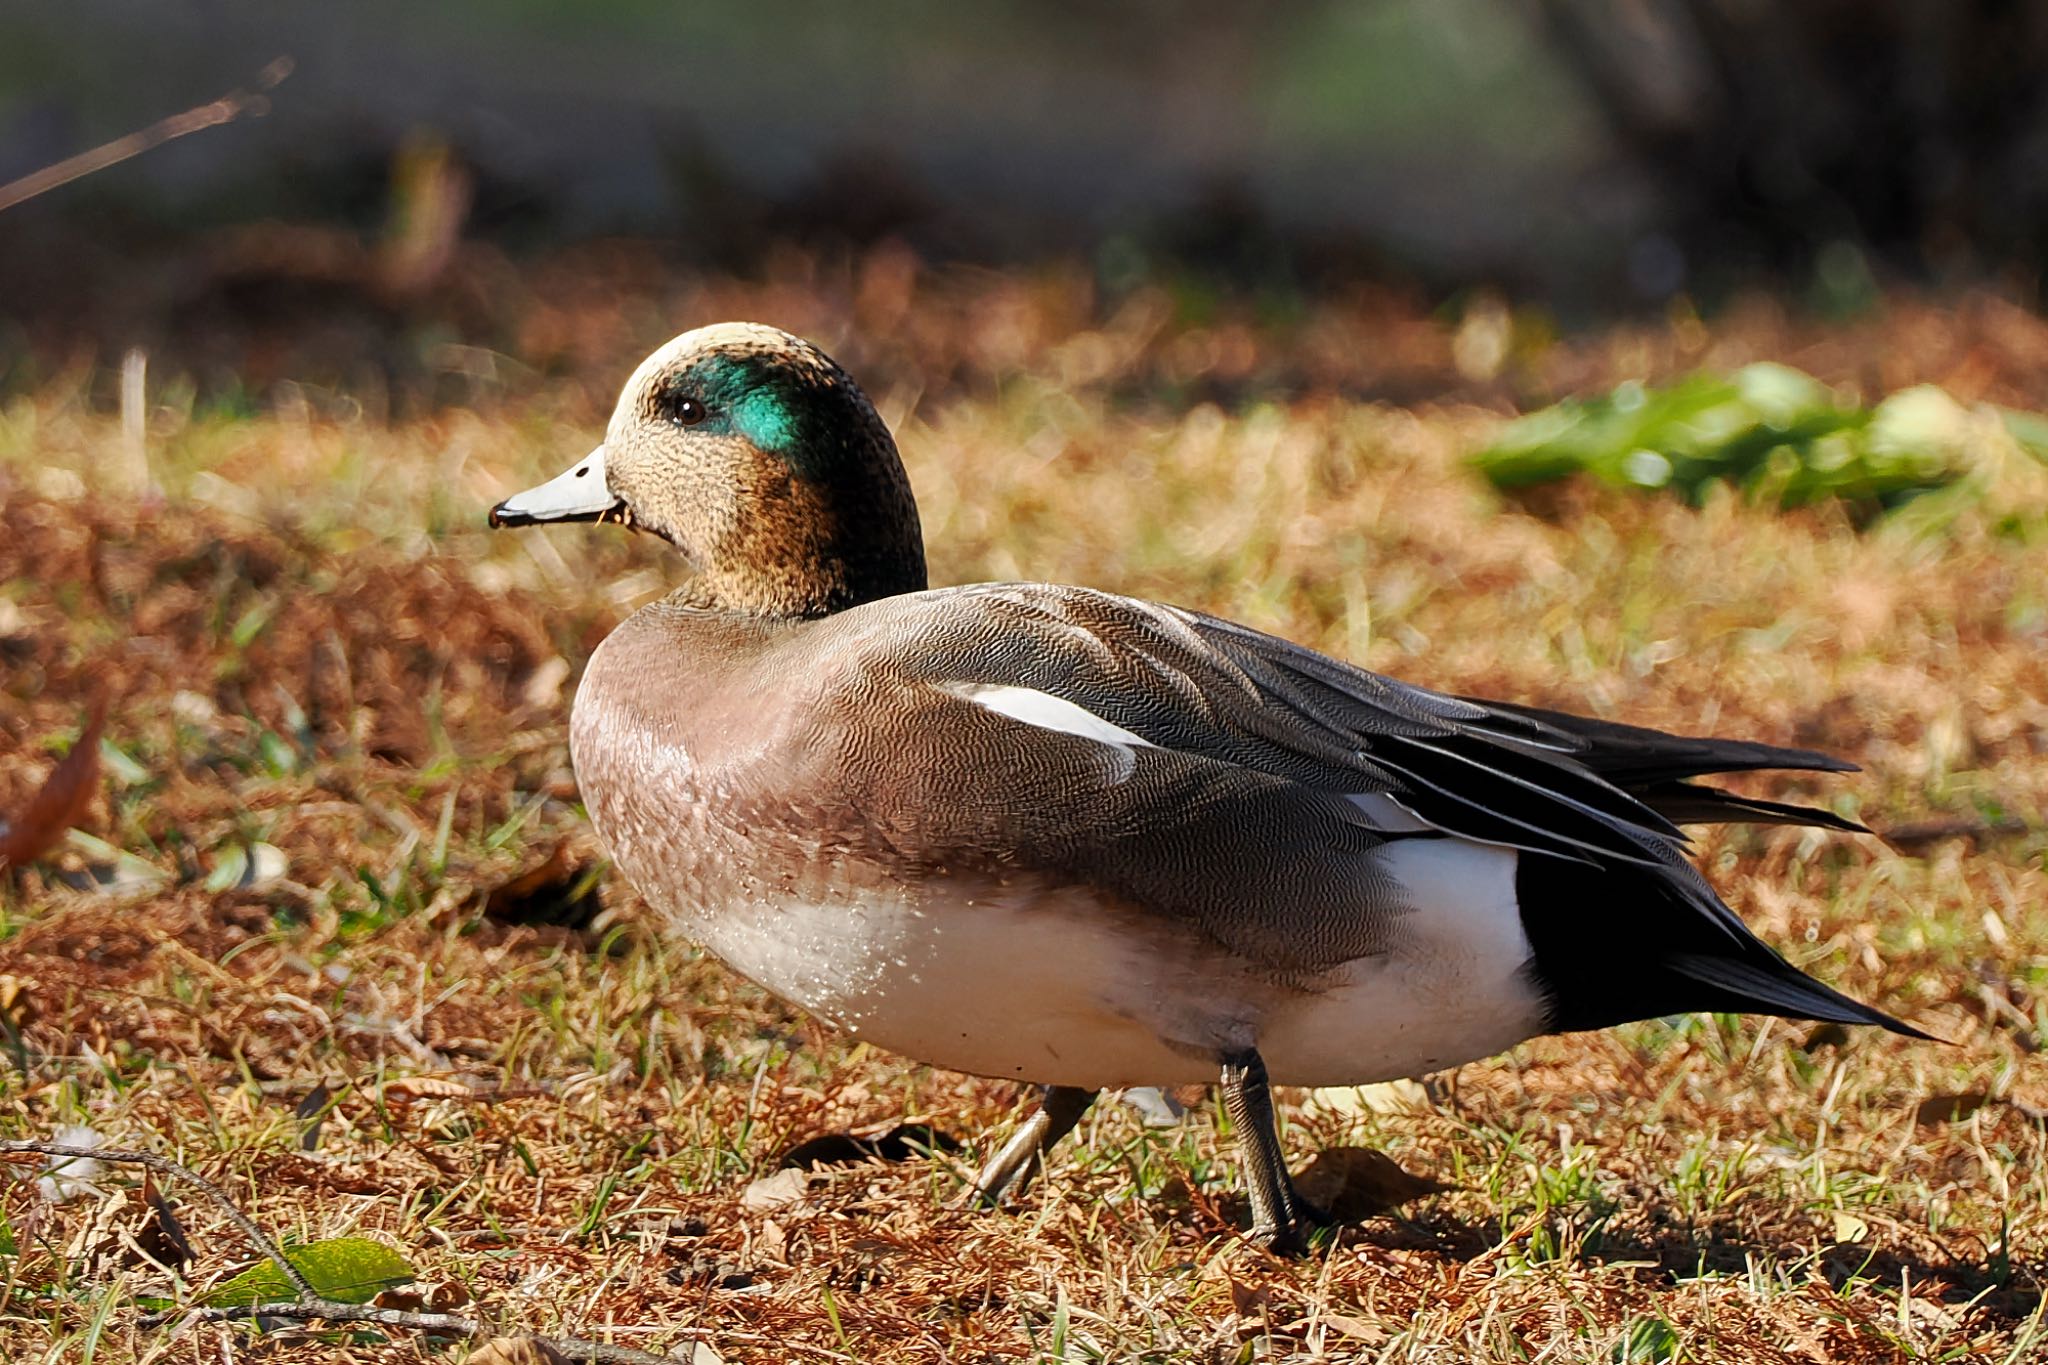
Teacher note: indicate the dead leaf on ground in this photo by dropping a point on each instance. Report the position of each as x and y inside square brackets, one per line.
[62, 801]
[17, 1006]
[162, 1237]
[1358, 1329]
[1247, 1299]
[1939, 1109]
[430, 1296]
[1354, 1183]
[775, 1191]
[311, 1112]
[559, 891]
[771, 1243]
[903, 1142]
[1407, 1096]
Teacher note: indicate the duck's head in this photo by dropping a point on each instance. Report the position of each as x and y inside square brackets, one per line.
[762, 461]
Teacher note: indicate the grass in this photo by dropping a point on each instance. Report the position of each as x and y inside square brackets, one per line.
[327, 673]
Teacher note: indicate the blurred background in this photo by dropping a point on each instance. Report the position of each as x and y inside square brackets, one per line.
[431, 181]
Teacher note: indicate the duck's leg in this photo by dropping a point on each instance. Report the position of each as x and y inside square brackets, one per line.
[1280, 1217]
[1059, 1108]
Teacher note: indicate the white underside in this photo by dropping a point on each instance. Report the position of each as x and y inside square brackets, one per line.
[1059, 990]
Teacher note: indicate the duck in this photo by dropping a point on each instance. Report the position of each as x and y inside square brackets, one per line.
[1088, 842]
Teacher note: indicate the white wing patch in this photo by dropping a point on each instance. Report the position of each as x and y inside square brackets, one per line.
[1389, 816]
[1047, 712]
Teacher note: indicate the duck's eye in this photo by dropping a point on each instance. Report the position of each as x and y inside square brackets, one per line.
[688, 412]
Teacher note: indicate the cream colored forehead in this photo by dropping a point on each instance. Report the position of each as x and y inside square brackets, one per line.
[719, 336]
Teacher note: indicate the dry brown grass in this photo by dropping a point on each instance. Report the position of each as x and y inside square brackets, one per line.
[313, 646]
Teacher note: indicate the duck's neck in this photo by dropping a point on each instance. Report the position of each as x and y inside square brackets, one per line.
[818, 548]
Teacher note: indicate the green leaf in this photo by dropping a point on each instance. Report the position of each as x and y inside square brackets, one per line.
[345, 1269]
[118, 765]
[1770, 431]
[228, 869]
[251, 624]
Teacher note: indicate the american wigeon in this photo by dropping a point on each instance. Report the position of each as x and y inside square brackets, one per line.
[1066, 837]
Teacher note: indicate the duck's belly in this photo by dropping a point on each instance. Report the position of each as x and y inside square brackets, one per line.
[1026, 988]
[1054, 987]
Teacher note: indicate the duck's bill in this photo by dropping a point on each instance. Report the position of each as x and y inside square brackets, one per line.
[578, 493]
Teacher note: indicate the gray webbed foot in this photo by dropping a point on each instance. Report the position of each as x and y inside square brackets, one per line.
[1060, 1107]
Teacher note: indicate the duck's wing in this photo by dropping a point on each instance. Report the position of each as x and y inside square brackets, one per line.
[1225, 746]
[1196, 684]
[1654, 766]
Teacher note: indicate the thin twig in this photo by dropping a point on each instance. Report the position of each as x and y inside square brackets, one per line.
[324, 1310]
[327, 1310]
[604, 1353]
[226, 109]
[165, 1166]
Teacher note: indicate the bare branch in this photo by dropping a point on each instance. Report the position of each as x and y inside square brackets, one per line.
[165, 1166]
[331, 1310]
[602, 1353]
[326, 1310]
[226, 109]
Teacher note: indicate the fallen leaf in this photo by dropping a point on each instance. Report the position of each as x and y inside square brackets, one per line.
[1372, 1334]
[771, 1243]
[1934, 1314]
[311, 1112]
[347, 1269]
[67, 1177]
[516, 1351]
[162, 1236]
[903, 1142]
[127, 1228]
[1850, 1228]
[17, 1006]
[1354, 1183]
[1940, 1109]
[433, 1296]
[558, 891]
[1155, 1107]
[61, 802]
[775, 1191]
[97, 1246]
[1385, 1097]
